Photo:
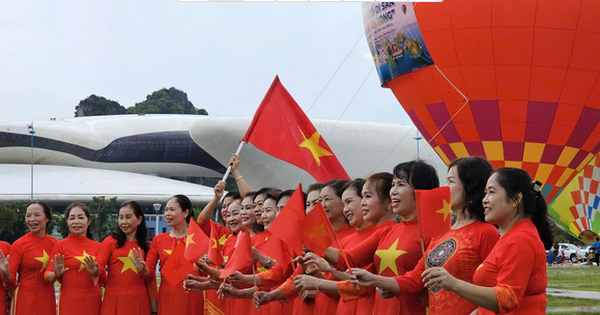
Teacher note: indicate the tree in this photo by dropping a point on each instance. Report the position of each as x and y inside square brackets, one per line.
[97, 106]
[104, 220]
[166, 101]
[61, 225]
[562, 236]
[12, 221]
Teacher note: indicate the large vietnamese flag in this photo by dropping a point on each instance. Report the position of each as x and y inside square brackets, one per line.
[281, 129]
[215, 251]
[435, 215]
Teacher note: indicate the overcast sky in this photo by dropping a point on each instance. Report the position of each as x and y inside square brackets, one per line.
[223, 55]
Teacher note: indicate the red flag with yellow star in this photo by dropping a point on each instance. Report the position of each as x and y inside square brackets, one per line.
[176, 267]
[241, 256]
[287, 226]
[215, 250]
[317, 232]
[196, 244]
[433, 206]
[281, 129]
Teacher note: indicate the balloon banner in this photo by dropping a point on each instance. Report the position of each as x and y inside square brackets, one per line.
[394, 38]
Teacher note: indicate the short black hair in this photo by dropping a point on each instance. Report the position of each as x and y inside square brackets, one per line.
[427, 176]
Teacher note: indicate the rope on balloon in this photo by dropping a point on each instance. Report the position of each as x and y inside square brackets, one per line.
[454, 86]
[394, 148]
[340, 117]
[458, 111]
[350, 102]
[335, 73]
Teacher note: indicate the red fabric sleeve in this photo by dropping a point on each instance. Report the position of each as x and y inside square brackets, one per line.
[16, 255]
[349, 292]
[274, 276]
[55, 251]
[103, 256]
[152, 258]
[412, 282]
[288, 288]
[151, 286]
[361, 254]
[514, 274]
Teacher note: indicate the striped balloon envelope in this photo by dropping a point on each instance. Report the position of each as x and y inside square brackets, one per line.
[515, 81]
[576, 208]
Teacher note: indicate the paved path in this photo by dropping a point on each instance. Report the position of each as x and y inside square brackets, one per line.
[574, 294]
[575, 309]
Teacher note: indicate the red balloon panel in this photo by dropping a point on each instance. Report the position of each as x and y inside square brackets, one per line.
[530, 70]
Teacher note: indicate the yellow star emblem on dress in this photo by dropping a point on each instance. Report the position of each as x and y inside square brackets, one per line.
[312, 144]
[44, 259]
[388, 258]
[82, 257]
[446, 211]
[190, 240]
[168, 251]
[128, 263]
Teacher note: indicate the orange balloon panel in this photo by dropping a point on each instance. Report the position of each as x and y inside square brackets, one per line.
[530, 71]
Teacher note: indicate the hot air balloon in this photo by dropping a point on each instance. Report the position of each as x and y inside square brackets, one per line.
[576, 208]
[515, 81]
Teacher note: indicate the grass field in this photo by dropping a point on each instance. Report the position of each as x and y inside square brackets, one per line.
[584, 278]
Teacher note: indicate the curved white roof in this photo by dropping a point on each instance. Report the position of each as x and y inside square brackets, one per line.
[64, 184]
[363, 148]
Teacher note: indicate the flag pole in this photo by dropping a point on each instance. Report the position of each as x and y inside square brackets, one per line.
[425, 265]
[423, 252]
[341, 251]
[254, 277]
[237, 152]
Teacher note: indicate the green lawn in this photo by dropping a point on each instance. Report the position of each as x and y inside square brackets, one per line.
[585, 278]
[568, 302]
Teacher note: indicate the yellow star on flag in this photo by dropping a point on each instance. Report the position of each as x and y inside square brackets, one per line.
[223, 239]
[479, 267]
[128, 263]
[44, 259]
[168, 251]
[81, 258]
[313, 145]
[446, 211]
[318, 231]
[388, 258]
[190, 240]
[214, 242]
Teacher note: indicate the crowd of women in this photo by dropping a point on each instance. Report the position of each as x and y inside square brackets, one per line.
[491, 261]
